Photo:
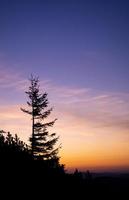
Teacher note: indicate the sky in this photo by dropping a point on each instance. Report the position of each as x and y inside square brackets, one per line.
[79, 50]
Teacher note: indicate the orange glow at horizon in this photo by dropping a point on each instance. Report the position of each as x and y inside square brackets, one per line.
[98, 156]
[95, 162]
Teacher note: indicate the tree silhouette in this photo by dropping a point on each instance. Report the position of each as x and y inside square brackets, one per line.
[42, 142]
[12, 148]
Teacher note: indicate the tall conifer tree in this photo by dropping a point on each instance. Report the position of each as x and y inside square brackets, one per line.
[42, 142]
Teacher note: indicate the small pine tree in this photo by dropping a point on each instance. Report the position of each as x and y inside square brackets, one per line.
[42, 142]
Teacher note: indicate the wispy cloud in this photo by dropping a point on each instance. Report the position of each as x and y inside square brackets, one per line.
[102, 109]
[99, 109]
[10, 79]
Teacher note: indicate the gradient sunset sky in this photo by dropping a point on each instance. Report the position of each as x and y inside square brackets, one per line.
[80, 51]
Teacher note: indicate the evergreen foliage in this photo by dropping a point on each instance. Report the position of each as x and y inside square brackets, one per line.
[42, 142]
[12, 148]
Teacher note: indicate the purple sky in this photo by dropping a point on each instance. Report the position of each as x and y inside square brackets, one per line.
[82, 43]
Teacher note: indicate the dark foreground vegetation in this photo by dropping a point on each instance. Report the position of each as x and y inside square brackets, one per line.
[21, 175]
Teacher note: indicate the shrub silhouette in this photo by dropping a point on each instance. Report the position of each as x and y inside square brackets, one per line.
[12, 148]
